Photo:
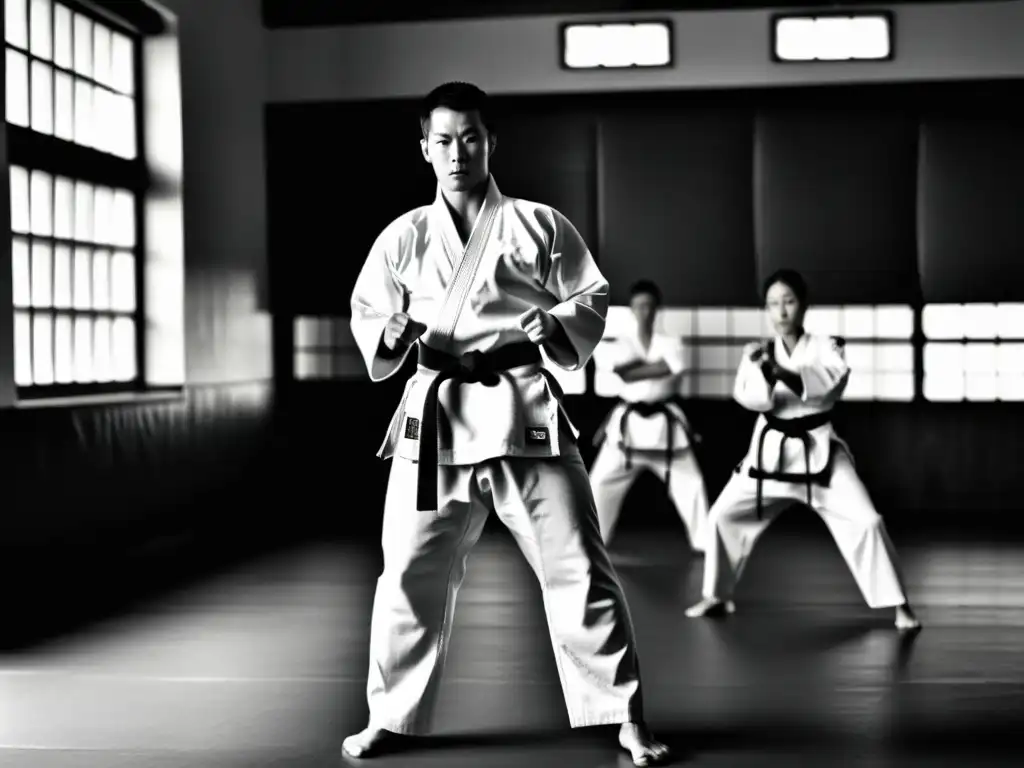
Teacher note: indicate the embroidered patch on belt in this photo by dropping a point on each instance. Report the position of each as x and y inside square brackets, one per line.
[537, 435]
[412, 428]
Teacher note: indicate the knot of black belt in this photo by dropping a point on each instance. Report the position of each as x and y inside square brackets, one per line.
[473, 367]
[797, 429]
[648, 409]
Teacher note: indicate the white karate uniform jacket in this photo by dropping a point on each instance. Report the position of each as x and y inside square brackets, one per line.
[520, 254]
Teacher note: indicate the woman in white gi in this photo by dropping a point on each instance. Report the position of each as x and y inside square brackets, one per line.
[479, 282]
[647, 430]
[793, 381]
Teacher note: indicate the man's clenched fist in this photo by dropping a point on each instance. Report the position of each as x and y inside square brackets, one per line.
[538, 324]
[401, 331]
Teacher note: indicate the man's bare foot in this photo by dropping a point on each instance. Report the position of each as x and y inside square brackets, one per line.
[711, 606]
[641, 745]
[906, 621]
[368, 742]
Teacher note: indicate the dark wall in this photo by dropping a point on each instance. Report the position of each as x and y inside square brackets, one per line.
[881, 194]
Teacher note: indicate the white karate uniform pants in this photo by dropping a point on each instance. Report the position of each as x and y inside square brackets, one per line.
[847, 510]
[548, 507]
[611, 480]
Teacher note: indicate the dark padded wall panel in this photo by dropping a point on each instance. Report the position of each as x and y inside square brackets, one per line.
[971, 213]
[337, 174]
[548, 158]
[835, 193]
[676, 205]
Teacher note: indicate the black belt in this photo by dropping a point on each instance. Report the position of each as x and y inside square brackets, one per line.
[471, 368]
[798, 429]
[647, 410]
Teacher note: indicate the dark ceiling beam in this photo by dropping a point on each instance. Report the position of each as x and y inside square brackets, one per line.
[320, 13]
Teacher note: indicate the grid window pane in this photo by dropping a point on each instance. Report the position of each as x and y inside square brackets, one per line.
[101, 279]
[83, 349]
[894, 322]
[42, 274]
[895, 386]
[63, 349]
[122, 72]
[83, 211]
[942, 321]
[102, 369]
[102, 215]
[41, 29]
[63, 208]
[41, 203]
[42, 348]
[713, 322]
[16, 22]
[64, 107]
[824, 320]
[122, 282]
[82, 292]
[101, 54]
[1010, 321]
[312, 365]
[83, 45]
[675, 322]
[21, 259]
[21, 220]
[42, 97]
[17, 88]
[62, 276]
[123, 219]
[944, 372]
[121, 123]
[981, 321]
[83, 113]
[63, 38]
[22, 349]
[123, 348]
[1011, 387]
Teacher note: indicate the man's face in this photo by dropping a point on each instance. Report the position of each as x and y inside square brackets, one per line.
[644, 308]
[458, 148]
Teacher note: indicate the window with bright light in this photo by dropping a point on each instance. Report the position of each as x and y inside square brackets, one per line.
[878, 347]
[973, 352]
[865, 37]
[617, 46]
[325, 349]
[76, 179]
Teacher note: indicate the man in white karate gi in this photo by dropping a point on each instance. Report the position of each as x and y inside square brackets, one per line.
[647, 429]
[479, 283]
[793, 381]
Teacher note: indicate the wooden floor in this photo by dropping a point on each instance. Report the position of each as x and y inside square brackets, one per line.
[264, 664]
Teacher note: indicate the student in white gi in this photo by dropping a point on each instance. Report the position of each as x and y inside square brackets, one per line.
[647, 430]
[793, 381]
[479, 282]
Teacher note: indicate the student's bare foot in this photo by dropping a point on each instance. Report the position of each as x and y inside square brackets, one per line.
[710, 606]
[641, 745]
[906, 621]
[368, 742]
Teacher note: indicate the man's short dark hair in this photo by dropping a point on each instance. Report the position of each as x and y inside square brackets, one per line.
[459, 97]
[789, 277]
[645, 287]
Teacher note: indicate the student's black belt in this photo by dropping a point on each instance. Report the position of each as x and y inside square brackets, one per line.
[796, 429]
[648, 409]
[471, 368]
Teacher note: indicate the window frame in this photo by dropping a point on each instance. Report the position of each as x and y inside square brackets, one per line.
[33, 150]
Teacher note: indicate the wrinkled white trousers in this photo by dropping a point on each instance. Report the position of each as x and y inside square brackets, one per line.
[844, 506]
[548, 507]
[611, 481]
